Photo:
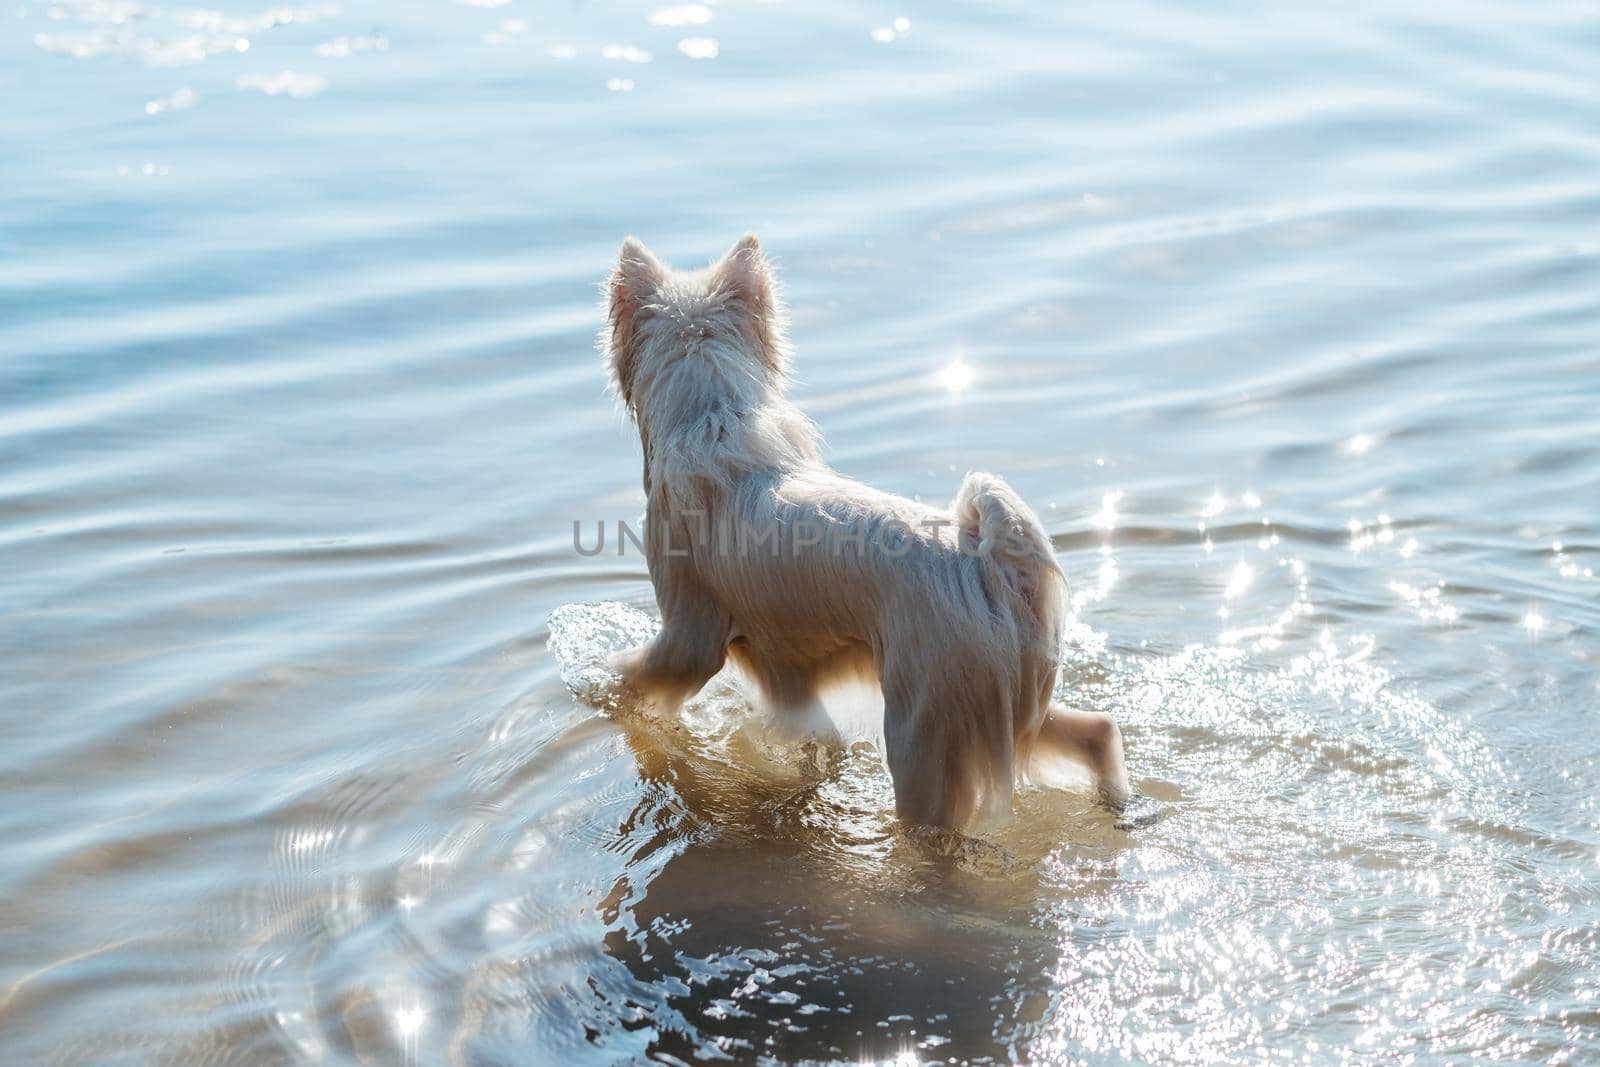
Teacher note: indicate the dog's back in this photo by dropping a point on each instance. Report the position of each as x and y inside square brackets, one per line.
[957, 614]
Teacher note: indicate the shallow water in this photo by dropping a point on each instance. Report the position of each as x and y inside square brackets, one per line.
[1285, 321]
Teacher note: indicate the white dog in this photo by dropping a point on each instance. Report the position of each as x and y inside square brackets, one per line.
[759, 551]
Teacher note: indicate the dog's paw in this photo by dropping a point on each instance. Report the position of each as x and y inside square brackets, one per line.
[1137, 811]
[1114, 794]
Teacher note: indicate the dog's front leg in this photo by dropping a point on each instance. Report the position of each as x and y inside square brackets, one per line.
[672, 666]
[693, 642]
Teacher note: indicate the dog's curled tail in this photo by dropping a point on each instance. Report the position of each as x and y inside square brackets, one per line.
[1008, 535]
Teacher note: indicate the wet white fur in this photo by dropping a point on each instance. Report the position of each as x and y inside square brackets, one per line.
[960, 621]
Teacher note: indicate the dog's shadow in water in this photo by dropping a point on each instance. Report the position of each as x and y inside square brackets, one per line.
[796, 917]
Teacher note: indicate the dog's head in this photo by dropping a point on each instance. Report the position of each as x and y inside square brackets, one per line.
[724, 324]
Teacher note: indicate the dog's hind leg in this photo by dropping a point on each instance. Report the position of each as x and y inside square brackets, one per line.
[927, 792]
[1093, 739]
[937, 755]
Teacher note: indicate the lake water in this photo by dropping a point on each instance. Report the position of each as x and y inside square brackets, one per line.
[1285, 321]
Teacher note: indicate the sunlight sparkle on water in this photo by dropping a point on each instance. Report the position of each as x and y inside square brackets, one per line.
[284, 83]
[1106, 517]
[699, 47]
[1360, 444]
[1105, 577]
[627, 53]
[408, 1022]
[956, 376]
[1240, 580]
[683, 15]
[178, 101]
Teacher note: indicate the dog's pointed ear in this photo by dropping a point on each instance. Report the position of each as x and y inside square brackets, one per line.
[747, 283]
[633, 284]
[636, 279]
[745, 275]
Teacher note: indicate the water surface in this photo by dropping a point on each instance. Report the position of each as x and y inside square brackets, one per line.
[1284, 320]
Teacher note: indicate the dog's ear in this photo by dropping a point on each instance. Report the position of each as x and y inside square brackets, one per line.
[744, 275]
[747, 282]
[636, 280]
[633, 285]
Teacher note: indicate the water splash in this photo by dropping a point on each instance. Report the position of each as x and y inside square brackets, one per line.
[584, 636]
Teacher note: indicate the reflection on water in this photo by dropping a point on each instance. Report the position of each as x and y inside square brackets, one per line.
[1283, 320]
[956, 376]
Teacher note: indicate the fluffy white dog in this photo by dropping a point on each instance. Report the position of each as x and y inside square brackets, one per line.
[758, 550]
